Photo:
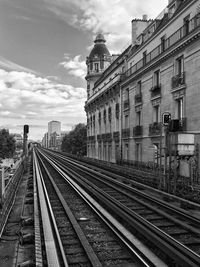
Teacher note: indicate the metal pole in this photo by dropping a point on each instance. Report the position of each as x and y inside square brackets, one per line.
[175, 173]
[170, 159]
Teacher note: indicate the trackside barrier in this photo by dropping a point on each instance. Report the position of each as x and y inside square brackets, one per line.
[8, 192]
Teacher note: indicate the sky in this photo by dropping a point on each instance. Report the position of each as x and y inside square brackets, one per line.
[43, 49]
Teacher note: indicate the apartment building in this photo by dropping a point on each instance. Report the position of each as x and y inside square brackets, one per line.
[158, 73]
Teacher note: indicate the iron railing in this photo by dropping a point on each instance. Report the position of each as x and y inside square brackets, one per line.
[137, 130]
[126, 133]
[126, 104]
[178, 80]
[138, 98]
[156, 91]
[177, 36]
[155, 128]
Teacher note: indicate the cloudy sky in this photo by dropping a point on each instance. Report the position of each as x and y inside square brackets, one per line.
[43, 47]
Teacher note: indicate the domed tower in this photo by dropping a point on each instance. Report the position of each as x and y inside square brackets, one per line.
[97, 62]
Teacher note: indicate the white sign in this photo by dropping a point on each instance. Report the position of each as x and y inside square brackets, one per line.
[185, 150]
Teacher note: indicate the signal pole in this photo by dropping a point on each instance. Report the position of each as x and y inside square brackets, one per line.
[166, 117]
[25, 146]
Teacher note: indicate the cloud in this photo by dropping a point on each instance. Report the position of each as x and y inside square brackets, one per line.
[112, 17]
[9, 65]
[74, 66]
[27, 98]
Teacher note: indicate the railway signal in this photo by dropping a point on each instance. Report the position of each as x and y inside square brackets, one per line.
[166, 117]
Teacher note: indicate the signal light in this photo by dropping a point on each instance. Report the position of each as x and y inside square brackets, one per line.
[166, 117]
[26, 128]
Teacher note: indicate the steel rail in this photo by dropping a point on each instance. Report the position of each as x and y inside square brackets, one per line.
[113, 183]
[131, 242]
[87, 247]
[47, 218]
[160, 202]
[185, 255]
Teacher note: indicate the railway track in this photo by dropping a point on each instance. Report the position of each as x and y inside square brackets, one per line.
[175, 233]
[83, 235]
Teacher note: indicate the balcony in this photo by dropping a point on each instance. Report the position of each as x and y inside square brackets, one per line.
[138, 98]
[178, 80]
[156, 91]
[107, 137]
[99, 138]
[173, 39]
[155, 128]
[137, 131]
[177, 125]
[126, 133]
[91, 138]
[126, 104]
[116, 136]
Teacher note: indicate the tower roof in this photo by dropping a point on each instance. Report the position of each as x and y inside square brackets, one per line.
[99, 38]
[99, 48]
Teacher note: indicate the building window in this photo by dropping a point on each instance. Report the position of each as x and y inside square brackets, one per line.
[126, 121]
[99, 118]
[96, 67]
[162, 44]
[94, 120]
[144, 57]
[156, 113]
[180, 108]
[104, 115]
[126, 156]
[172, 10]
[138, 118]
[186, 22]
[138, 156]
[139, 87]
[179, 65]
[109, 114]
[117, 111]
[157, 78]
[126, 96]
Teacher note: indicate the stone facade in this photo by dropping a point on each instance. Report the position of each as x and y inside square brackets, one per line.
[159, 72]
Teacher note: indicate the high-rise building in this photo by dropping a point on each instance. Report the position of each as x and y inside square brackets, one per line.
[53, 126]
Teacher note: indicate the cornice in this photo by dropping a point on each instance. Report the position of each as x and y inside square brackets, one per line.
[168, 53]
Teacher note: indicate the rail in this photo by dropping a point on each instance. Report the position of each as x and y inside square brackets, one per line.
[47, 217]
[175, 249]
[139, 249]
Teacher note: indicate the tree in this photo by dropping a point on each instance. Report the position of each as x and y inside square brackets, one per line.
[7, 144]
[75, 142]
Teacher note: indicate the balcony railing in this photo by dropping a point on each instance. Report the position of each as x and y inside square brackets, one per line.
[126, 133]
[126, 104]
[137, 130]
[156, 91]
[138, 98]
[176, 37]
[116, 136]
[107, 137]
[178, 80]
[155, 128]
[99, 137]
[91, 138]
[177, 125]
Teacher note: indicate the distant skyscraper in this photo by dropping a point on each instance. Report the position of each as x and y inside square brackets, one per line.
[54, 126]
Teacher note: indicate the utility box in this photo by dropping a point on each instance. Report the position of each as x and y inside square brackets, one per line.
[182, 144]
